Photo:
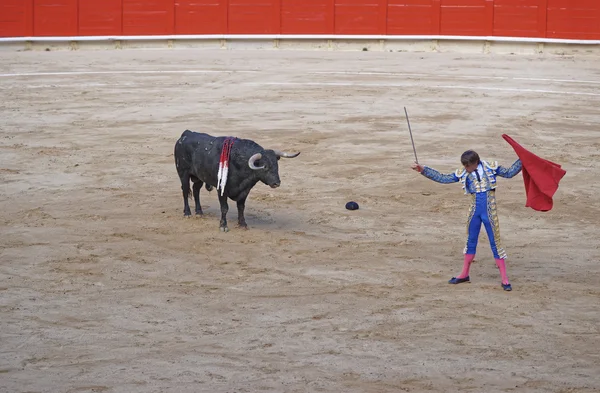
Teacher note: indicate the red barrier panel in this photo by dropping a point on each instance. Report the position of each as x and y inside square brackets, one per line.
[100, 18]
[201, 17]
[574, 19]
[254, 17]
[570, 19]
[360, 16]
[16, 18]
[307, 17]
[517, 18]
[467, 17]
[55, 17]
[407, 17]
[148, 17]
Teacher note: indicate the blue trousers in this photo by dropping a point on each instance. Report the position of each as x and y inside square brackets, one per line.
[483, 211]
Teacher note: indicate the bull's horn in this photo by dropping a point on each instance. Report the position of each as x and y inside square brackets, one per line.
[253, 159]
[286, 155]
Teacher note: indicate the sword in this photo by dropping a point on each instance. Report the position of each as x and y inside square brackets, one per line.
[411, 137]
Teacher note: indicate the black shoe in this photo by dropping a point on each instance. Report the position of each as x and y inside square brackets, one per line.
[507, 287]
[455, 280]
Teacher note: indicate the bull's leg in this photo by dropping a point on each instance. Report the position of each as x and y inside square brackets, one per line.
[241, 205]
[224, 210]
[196, 189]
[185, 187]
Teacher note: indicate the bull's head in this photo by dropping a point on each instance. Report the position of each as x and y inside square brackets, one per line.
[266, 166]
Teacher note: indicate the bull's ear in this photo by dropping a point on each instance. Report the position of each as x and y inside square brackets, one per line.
[260, 163]
[254, 162]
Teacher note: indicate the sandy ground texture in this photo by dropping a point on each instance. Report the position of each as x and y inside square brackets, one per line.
[105, 287]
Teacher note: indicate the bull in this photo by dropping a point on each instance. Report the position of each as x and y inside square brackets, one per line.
[197, 157]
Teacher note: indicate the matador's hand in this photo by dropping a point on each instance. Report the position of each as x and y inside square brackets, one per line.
[417, 167]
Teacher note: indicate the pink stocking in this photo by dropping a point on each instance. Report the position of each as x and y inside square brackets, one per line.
[466, 265]
[502, 267]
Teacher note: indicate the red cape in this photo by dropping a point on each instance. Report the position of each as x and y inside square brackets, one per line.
[541, 177]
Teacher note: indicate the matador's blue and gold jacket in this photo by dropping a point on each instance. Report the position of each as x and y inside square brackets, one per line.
[481, 180]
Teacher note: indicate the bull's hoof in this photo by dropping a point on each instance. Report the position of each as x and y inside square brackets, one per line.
[243, 226]
[199, 214]
[224, 229]
[187, 216]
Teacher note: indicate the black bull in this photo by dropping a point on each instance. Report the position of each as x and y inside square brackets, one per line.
[197, 157]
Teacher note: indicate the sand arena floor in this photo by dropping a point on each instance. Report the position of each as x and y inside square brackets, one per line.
[105, 287]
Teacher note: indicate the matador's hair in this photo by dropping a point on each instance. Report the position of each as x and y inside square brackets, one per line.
[469, 157]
